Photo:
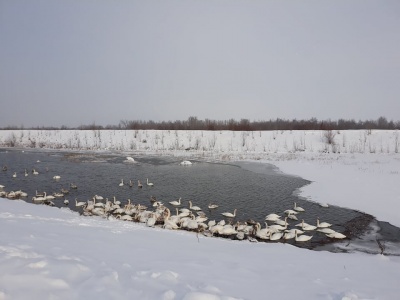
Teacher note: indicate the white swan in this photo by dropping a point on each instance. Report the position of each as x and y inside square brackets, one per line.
[195, 208]
[323, 224]
[272, 217]
[149, 183]
[229, 215]
[79, 204]
[15, 175]
[298, 208]
[336, 235]
[66, 201]
[34, 172]
[130, 183]
[302, 238]
[26, 173]
[212, 206]
[324, 204]
[176, 203]
[116, 202]
[56, 177]
[139, 184]
[73, 186]
[121, 183]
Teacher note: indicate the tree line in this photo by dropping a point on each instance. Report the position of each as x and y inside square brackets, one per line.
[193, 123]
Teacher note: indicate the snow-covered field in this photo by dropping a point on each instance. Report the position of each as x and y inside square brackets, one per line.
[56, 254]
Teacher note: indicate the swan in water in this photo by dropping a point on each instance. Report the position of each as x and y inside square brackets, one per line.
[212, 206]
[73, 186]
[56, 177]
[121, 183]
[298, 208]
[130, 183]
[326, 230]
[323, 224]
[149, 183]
[15, 175]
[26, 173]
[34, 172]
[195, 208]
[272, 217]
[116, 202]
[79, 204]
[66, 201]
[229, 215]
[302, 238]
[336, 235]
[139, 184]
[176, 203]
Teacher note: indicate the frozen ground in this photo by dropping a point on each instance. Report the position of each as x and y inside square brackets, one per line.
[52, 253]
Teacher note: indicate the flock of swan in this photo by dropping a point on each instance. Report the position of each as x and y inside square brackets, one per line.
[176, 215]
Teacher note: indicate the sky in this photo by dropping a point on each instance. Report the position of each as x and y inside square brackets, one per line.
[82, 62]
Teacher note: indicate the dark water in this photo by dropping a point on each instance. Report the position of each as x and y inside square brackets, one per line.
[255, 190]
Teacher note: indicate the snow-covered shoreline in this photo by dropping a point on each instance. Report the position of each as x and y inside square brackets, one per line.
[57, 254]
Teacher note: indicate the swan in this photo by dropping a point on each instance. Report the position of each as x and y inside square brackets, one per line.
[323, 224]
[26, 173]
[41, 198]
[121, 183]
[139, 184]
[282, 222]
[66, 201]
[14, 175]
[276, 236]
[302, 238]
[186, 163]
[229, 215]
[212, 206]
[34, 172]
[149, 183]
[263, 234]
[79, 204]
[272, 217]
[176, 203]
[336, 235]
[298, 208]
[56, 177]
[326, 230]
[324, 204]
[116, 202]
[73, 186]
[130, 183]
[293, 217]
[195, 208]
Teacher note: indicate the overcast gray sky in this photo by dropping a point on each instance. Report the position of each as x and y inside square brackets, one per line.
[84, 61]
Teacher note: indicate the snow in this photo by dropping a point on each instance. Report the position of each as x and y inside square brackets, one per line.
[54, 253]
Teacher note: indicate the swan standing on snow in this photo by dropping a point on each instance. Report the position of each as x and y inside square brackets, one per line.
[229, 215]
